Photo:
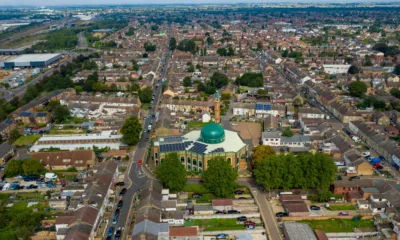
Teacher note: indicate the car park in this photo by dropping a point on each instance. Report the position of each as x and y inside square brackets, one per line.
[123, 191]
[315, 208]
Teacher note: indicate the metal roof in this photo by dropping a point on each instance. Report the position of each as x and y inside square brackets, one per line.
[34, 57]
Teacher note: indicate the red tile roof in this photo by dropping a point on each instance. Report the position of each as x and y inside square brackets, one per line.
[183, 231]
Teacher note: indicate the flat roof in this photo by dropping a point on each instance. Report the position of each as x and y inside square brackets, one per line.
[34, 57]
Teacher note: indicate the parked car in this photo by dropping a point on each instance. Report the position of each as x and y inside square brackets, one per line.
[120, 204]
[233, 212]
[379, 167]
[239, 192]
[242, 198]
[339, 178]
[366, 154]
[234, 124]
[315, 208]
[354, 177]
[118, 234]
[281, 214]
[241, 219]
[109, 238]
[120, 184]
[115, 219]
[222, 236]
[123, 191]
[197, 195]
[110, 231]
[117, 211]
[31, 186]
[250, 227]
[220, 212]
[343, 214]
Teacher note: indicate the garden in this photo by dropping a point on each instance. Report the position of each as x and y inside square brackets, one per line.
[339, 225]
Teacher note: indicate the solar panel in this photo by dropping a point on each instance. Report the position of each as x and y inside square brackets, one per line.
[174, 147]
[218, 150]
[172, 139]
[198, 148]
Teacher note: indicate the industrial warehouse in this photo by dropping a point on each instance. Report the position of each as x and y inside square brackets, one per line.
[29, 60]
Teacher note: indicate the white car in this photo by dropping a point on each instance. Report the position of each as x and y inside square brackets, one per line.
[366, 154]
[234, 124]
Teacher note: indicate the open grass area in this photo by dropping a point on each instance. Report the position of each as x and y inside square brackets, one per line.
[26, 140]
[207, 196]
[216, 224]
[342, 207]
[4, 197]
[338, 225]
[197, 124]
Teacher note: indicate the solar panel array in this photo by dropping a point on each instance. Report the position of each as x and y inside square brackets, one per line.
[198, 148]
[217, 150]
[172, 139]
[263, 106]
[174, 147]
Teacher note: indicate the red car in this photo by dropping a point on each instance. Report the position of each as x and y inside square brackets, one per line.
[139, 163]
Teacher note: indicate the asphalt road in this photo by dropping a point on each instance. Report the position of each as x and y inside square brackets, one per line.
[136, 177]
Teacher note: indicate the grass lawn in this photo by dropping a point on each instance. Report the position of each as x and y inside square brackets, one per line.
[75, 120]
[200, 188]
[338, 225]
[28, 140]
[4, 197]
[342, 207]
[197, 124]
[216, 224]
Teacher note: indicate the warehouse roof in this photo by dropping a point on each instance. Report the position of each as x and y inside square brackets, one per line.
[299, 231]
[34, 57]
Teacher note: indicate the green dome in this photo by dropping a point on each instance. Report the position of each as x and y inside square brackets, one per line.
[212, 133]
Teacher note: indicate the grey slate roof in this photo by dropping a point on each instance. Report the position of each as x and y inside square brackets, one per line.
[299, 231]
[150, 229]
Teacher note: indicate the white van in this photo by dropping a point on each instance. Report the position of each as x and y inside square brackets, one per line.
[50, 176]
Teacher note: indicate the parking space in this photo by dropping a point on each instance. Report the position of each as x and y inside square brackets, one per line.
[18, 77]
[248, 131]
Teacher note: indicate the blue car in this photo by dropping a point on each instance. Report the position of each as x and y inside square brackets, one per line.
[110, 231]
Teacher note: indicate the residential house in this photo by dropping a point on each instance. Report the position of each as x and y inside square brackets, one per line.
[6, 152]
[183, 233]
[354, 161]
[377, 203]
[244, 109]
[273, 138]
[381, 119]
[63, 160]
[310, 113]
[222, 204]
[187, 106]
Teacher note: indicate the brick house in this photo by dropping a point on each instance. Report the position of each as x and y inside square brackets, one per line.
[79, 159]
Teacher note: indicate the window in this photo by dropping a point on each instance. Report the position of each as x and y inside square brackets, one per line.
[182, 159]
[200, 164]
[194, 168]
[189, 160]
[200, 170]
[189, 167]
[194, 162]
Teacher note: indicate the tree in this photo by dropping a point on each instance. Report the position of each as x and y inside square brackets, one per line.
[149, 47]
[191, 68]
[222, 52]
[353, 69]
[219, 80]
[357, 89]
[287, 132]
[14, 168]
[395, 92]
[187, 81]
[145, 95]
[14, 135]
[172, 173]
[259, 153]
[61, 113]
[32, 167]
[220, 177]
[172, 43]
[397, 69]
[259, 46]
[250, 80]
[187, 45]
[131, 130]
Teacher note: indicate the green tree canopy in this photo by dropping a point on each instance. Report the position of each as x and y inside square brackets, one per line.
[61, 113]
[259, 153]
[250, 80]
[149, 47]
[172, 43]
[219, 80]
[145, 95]
[172, 173]
[395, 92]
[306, 170]
[357, 89]
[397, 69]
[287, 132]
[187, 45]
[353, 69]
[219, 178]
[32, 166]
[131, 131]
[14, 135]
[14, 168]
[187, 81]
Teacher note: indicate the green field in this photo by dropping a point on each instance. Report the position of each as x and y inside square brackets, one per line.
[338, 225]
[26, 140]
[216, 224]
[342, 207]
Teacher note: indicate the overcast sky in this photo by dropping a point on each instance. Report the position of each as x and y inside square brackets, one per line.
[93, 2]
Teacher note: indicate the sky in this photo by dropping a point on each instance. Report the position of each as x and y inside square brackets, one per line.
[96, 2]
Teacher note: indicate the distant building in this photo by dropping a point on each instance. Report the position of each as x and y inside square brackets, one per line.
[79, 159]
[31, 60]
[336, 68]
[274, 138]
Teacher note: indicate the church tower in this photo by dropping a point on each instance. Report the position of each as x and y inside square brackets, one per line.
[217, 108]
